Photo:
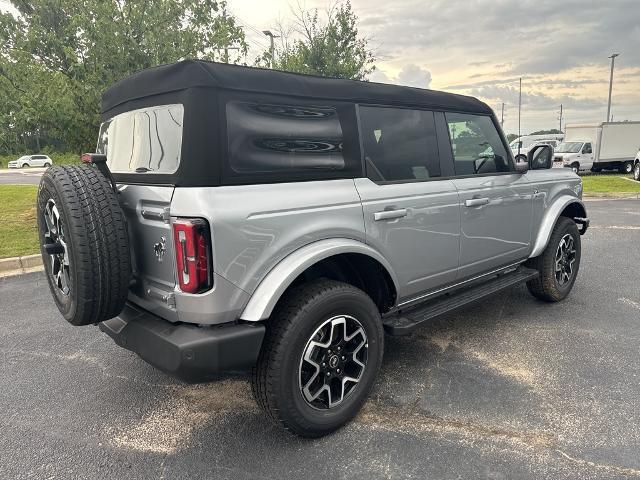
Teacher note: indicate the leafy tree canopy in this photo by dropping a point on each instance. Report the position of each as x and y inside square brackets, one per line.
[330, 48]
[58, 56]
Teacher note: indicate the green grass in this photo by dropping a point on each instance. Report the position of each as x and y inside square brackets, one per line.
[18, 230]
[609, 183]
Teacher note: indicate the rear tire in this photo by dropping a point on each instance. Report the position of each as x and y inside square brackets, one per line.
[636, 172]
[627, 168]
[552, 285]
[283, 380]
[84, 243]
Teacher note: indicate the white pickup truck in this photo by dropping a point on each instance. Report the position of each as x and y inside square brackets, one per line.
[600, 146]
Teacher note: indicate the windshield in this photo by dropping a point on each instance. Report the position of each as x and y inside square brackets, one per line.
[145, 140]
[569, 147]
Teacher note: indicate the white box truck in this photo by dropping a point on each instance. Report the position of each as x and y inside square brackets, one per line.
[599, 146]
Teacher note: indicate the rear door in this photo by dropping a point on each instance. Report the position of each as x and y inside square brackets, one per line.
[411, 213]
[147, 210]
[495, 201]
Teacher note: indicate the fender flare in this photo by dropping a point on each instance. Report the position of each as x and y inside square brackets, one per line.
[264, 298]
[549, 221]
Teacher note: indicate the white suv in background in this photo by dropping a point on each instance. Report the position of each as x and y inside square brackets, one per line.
[31, 161]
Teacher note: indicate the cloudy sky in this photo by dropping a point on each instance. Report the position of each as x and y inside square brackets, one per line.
[482, 47]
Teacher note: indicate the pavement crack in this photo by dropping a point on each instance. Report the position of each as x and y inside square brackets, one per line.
[615, 469]
[403, 420]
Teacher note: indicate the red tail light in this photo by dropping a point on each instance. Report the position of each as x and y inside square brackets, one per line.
[193, 254]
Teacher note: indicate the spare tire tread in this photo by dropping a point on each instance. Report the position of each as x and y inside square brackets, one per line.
[98, 240]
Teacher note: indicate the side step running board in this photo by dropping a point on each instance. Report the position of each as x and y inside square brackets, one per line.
[408, 320]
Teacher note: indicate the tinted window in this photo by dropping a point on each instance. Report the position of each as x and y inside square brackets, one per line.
[399, 144]
[145, 140]
[39, 157]
[269, 138]
[476, 144]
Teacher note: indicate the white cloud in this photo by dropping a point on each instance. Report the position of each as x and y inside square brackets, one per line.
[410, 75]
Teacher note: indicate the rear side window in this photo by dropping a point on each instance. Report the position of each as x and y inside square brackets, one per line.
[399, 144]
[281, 139]
[144, 140]
[476, 145]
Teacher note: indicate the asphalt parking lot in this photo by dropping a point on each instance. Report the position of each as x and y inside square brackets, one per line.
[25, 176]
[509, 388]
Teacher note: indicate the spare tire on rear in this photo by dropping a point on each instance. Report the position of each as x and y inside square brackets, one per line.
[84, 243]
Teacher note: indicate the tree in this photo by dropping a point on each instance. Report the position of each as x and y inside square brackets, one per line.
[331, 49]
[58, 56]
[553, 131]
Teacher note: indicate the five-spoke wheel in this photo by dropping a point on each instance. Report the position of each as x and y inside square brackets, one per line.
[565, 258]
[333, 361]
[55, 246]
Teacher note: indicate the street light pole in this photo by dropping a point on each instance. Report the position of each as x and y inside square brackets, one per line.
[272, 50]
[613, 59]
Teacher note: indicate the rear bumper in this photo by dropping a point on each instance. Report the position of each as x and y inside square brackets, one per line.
[186, 351]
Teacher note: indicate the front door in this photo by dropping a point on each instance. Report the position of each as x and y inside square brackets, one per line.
[411, 214]
[495, 202]
[586, 154]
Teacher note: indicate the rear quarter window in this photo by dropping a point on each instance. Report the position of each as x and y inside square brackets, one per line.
[144, 140]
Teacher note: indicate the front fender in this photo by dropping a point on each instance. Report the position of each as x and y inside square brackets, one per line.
[275, 283]
[549, 221]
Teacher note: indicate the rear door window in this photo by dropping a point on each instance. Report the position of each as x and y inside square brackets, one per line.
[144, 140]
[399, 144]
[476, 145]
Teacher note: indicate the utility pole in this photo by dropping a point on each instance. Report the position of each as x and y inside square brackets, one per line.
[502, 116]
[560, 118]
[613, 59]
[272, 49]
[519, 109]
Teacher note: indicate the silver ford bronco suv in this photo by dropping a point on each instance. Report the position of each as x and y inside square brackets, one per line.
[238, 218]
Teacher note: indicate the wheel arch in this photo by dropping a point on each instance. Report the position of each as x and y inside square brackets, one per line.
[564, 206]
[341, 259]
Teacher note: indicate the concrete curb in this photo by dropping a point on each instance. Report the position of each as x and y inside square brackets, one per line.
[20, 265]
[611, 196]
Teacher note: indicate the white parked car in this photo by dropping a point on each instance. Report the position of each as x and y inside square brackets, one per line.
[636, 167]
[521, 145]
[31, 161]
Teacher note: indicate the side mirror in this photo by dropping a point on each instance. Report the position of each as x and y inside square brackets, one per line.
[540, 157]
[522, 167]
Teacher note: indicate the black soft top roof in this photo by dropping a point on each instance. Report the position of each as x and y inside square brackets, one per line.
[197, 73]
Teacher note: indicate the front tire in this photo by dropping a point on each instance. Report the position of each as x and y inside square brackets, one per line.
[320, 356]
[558, 264]
[575, 167]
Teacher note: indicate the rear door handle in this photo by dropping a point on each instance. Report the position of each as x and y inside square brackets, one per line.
[390, 214]
[476, 202]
